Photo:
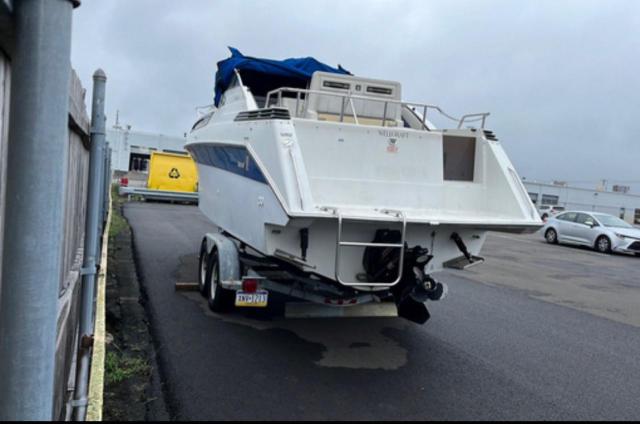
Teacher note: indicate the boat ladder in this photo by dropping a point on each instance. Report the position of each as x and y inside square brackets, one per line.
[400, 216]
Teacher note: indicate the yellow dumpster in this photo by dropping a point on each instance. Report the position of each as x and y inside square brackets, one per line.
[172, 172]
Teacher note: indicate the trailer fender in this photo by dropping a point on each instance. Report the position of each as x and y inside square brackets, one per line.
[228, 260]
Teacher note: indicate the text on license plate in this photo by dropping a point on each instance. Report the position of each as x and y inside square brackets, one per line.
[253, 300]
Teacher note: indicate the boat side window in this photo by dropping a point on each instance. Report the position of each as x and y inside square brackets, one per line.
[234, 82]
[235, 159]
[202, 122]
[260, 101]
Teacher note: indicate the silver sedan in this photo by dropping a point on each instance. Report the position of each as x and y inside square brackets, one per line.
[602, 232]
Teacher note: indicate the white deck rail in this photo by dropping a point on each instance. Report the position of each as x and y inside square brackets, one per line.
[302, 105]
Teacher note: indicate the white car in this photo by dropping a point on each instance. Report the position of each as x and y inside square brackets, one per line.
[604, 233]
[546, 211]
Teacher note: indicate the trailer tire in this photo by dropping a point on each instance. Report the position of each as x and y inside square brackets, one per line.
[203, 265]
[219, 299]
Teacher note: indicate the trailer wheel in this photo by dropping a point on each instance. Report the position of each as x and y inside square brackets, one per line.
[220, 299]
[203, 261]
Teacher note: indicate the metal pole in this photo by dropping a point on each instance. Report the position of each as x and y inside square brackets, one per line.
[424, 119]
[384, 115]
[101, 210]
[107, 183]
[353, 110]
[103, 192]
[36, 184]
[91, 241]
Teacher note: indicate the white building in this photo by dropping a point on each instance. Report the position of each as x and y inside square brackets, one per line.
[623, 205]
[131, 150]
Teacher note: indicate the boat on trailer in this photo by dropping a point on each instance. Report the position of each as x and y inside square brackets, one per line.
[329, 188]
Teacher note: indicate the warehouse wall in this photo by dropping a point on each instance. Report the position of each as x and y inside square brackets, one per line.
[124, 141]
[613, 203]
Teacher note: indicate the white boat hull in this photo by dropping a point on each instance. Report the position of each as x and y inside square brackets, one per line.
[264, 179]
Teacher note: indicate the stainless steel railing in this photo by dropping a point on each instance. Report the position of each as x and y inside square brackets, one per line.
[302, 98]
[340, 243]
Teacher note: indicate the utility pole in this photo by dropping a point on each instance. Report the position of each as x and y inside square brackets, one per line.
[95, 204]
[33, 239]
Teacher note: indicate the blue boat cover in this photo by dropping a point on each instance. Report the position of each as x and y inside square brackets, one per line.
[264, 75]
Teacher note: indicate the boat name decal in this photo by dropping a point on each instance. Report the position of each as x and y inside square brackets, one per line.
[394, 134]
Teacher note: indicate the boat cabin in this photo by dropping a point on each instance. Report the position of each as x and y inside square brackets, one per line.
[309, 89]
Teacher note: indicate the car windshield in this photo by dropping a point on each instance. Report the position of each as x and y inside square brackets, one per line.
[612, 221]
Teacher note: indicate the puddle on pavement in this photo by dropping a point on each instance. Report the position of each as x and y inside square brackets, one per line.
[348, 342]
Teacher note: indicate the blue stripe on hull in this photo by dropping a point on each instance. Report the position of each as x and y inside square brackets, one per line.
[236, 159]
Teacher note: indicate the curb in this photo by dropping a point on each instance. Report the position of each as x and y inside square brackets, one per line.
[96, 376]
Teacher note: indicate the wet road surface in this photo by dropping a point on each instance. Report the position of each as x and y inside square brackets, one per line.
[503, 345]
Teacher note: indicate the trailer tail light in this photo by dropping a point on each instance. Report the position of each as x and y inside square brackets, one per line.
[124, 182]
[250, 285]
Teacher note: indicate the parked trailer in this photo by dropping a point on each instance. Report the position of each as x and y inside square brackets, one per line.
[172, 172]
[172, 177]
[232, 275]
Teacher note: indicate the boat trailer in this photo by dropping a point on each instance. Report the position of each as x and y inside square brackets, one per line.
[235, 267]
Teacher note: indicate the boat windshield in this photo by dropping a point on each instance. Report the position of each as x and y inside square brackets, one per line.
[612, 221]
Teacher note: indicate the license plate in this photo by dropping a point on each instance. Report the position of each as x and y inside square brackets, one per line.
[252, 300]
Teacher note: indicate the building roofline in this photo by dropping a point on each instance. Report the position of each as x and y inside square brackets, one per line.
[154, 134]
[582, 189]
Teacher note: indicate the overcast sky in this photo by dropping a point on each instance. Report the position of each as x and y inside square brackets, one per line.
[560, 78]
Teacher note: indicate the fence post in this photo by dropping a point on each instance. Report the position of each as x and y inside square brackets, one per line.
[35, 195]
[107, 183]
[100, 194]
[91, 241]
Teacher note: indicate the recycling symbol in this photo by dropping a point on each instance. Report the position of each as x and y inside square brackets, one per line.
[174, 173]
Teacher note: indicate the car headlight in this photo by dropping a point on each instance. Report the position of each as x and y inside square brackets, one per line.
[620, 236]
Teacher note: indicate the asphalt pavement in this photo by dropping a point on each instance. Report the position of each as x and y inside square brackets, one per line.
[507, 343]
